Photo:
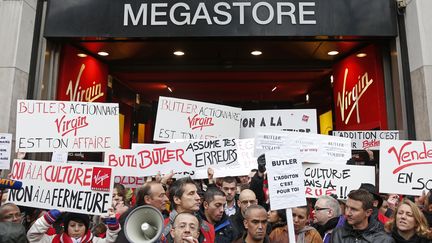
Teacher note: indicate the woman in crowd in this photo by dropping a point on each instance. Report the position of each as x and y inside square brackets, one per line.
[76, 229]
[303, 232]
[409, 225]
[278, 224]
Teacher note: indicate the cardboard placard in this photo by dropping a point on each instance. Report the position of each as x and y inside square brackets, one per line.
[302, 120]
[405, 167]
[62, 126]
[66, 187]
[187, 119]
[5, 150]
[367, 139]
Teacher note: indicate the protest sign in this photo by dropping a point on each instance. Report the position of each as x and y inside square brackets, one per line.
[130, 181]
[314, 148]
[405, 167]
[367, 139]
[325, 179]
[282, 120]
[48, 126]
[66, 187]
[5, 150]
[285, 179]
[187, 119]
[59, 157]
[182, 157]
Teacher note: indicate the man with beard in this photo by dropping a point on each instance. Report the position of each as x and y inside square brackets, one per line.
[213, 211]
[327, 214]
[229, 187]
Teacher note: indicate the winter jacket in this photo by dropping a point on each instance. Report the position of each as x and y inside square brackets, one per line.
[238, 225]
[207, 232]
[415, 239]
[327, 229]
[374, 233]
[224, 230]
[37, 233]
[243, 239]
[279, 234]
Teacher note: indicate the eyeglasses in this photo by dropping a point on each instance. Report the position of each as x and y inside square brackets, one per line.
[320, 209]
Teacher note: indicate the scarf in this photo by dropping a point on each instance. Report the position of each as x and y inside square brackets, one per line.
[65, 238]
[302, 234]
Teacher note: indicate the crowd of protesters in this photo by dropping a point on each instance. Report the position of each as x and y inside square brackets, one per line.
[230, 209]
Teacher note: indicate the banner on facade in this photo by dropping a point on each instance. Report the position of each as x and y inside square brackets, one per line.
[187, 119]
[282, 120]
[5, 150]
[314, 148]
[325, 179]
[48, 126]
[367, 139]
[66, 187]
[405, 167]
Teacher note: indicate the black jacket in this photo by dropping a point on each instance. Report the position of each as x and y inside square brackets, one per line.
[415, 239]
[224, 229]
[374, 233]
[237, 223]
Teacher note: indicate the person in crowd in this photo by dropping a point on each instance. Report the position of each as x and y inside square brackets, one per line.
[427, 208]
[183, 195]
[359, 226]
[153, 194]
[408, 224]
[229, 187]
[213, 212]
[278, 226]
[185, 229]
[255, 223]
[10, 212]
[327, 215]
[377, 203]
[76, 229]
[303, 232]
[257, 183]
[12, 233]
[119, 198]
[246, 199]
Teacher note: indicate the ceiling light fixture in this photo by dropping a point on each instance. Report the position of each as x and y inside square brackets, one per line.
[361, 54]
[332, 53]
[256, 53]
[331, 79]
[169, 89]
[274, 88]
[82, 55]
[307, 98]
[178, 53]
[103, 53]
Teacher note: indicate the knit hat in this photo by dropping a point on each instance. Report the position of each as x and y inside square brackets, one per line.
[80, 218]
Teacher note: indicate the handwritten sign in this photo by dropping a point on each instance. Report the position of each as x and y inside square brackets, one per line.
[283, 120]
[325, 179]
[285, 179]
[182, 157]
[187, 119]
[405, 167]
[130, 181]
[314, 148]
[5, 150]
[367, 139]
[48, 126]
[66, 187]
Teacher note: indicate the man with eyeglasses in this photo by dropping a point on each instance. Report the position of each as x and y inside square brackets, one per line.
[9, 212]
[327, 214]
[246, 199]
[185, 228]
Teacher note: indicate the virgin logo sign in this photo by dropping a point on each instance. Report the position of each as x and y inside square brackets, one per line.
[348, 100]
[77, 93]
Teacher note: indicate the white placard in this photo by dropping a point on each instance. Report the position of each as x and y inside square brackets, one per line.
[302, 120]
[285, 179]
[325, 179]
[66, 187]
[405, 167]
[5, 150]
[367, 139]
[314, 148]
[48, 126]
[187, 119]
[59, 157]
[183, 158]
[130, 181]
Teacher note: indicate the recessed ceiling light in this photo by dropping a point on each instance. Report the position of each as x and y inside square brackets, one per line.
[275, 87]
[82, 55]
[256, 53]
[307, 98]
[169, 89]
[332, 53]
[361, 54]
[103, 53]
[179, 53]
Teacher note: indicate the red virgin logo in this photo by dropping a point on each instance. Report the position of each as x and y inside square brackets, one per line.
[101, 179]
[197, 122]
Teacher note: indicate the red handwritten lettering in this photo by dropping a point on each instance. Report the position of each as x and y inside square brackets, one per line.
[66, 126]
[160, 156]
[368, 144]
[406, 157]
[198, 122]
